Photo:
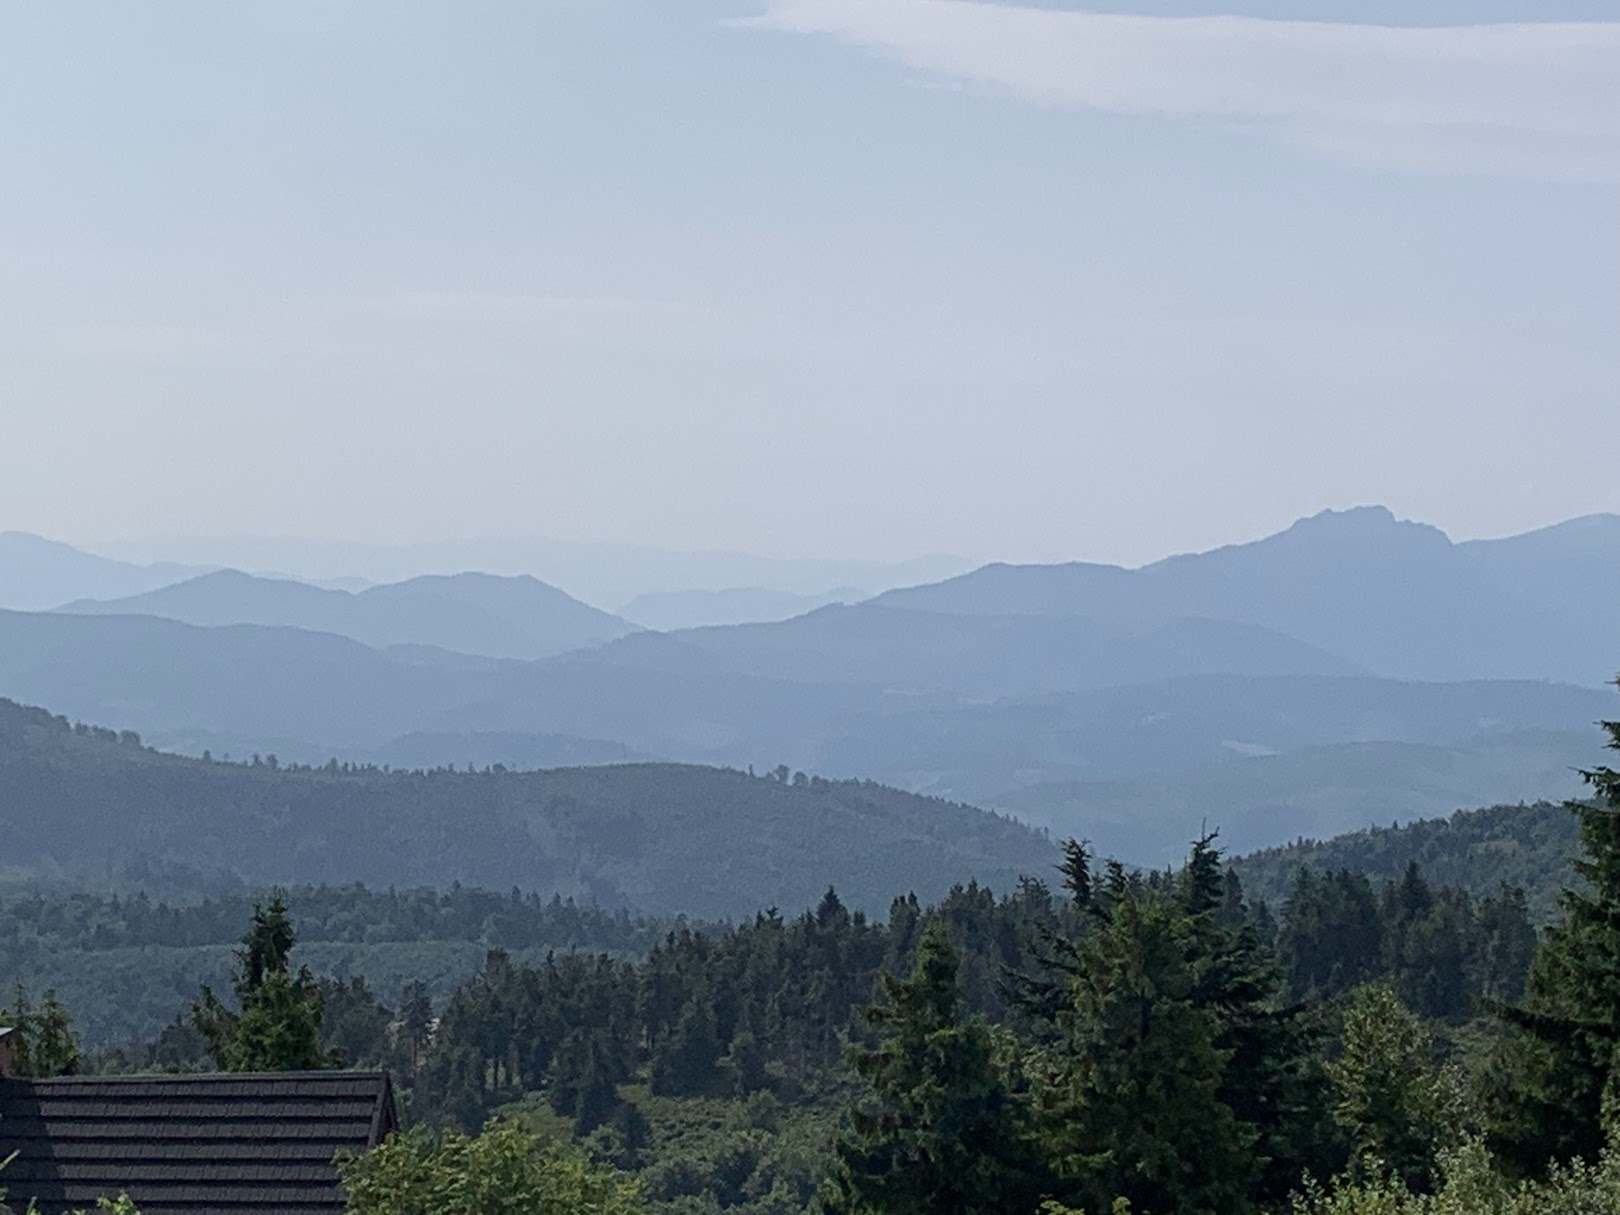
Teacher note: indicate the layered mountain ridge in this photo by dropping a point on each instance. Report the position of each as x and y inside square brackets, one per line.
[1351, 669]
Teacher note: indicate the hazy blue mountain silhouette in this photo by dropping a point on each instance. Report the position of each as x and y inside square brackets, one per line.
[482, 614]
[36, 574]
[996, 656]
[1311, 793]
[669, 610]
[1251, 684]
[260, 686]
[1394, 597]
[1120, 763]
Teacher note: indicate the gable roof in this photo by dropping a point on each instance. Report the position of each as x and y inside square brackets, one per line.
[190, 1145]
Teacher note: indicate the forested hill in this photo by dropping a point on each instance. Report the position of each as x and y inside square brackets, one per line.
[1529, 846]
[79, 805]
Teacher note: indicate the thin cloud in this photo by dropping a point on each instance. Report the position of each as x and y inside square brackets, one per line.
[1539, 99]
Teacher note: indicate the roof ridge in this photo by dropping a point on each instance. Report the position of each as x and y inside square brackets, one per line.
[202, 1077]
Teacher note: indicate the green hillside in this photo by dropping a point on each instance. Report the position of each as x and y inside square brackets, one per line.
[1478, 850]
[80, 805]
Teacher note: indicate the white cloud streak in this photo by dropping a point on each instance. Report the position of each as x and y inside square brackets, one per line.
[1531, 99]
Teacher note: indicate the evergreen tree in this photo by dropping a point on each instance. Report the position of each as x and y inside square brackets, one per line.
[276, 1026]
[43, 1040]
[1272, 1080]
[1390, 1095]
[1556, 1082]
[946, 1131]
[686, 1062]
[1133, 1098]
[584, 1079]
[415, 1020]
[1076, 871]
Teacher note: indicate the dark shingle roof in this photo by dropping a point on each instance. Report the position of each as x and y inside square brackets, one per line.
[190, 1145]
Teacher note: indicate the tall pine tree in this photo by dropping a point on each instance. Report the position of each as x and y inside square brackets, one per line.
[276, 1026]
[945, 1130]
[1132, 1093]
[1556, 1084]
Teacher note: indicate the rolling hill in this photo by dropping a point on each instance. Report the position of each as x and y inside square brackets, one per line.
[78, 804]
[1526, 845]
[500, 617]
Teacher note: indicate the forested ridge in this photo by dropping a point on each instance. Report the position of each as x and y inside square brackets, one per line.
[1529, 846]
[85, 805]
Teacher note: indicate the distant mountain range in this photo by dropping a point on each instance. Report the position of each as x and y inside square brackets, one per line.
[605, 574]
[992, 657]
[1395, 598]
[670, 610]
[1353, 669]
[512, 617]
[38, 574]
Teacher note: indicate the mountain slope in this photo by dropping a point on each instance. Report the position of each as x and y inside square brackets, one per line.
[1311, 792]
[991, 754]
[1135, 767]
[259, 687]
[995, 656]
[1393, 597]
[1529, 846]
[660, 838]
[517, 617]
[36, 573]
[668, 610]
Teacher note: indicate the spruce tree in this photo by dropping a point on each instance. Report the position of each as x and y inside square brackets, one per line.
[1272, 1080]
[686, 1061]
[1390, 1095]
[1133, 1105]
[276, 1026]
[43, 1041]
[945, 1132]
[1556, 1082]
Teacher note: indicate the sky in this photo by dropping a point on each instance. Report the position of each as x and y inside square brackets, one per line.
[854, 278]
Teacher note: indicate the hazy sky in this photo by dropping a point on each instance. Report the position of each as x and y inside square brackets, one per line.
[855, 277]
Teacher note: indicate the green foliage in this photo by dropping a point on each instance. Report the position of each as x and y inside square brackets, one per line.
[1472, 1186]
[686, 1061]
[276, 1026]
[753, 1156]
[503, 1171]
[1556, 1083]
[119, 961]
[1477, 851]
[43, 1042]
[947, 1131]
[1134, 1083]
[1396, 1103]
[743, 1032]
[1442, 950]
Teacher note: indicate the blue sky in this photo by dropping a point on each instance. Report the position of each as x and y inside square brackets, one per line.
[806, 277]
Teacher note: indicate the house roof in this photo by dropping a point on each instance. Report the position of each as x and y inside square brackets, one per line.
[190, 1145]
